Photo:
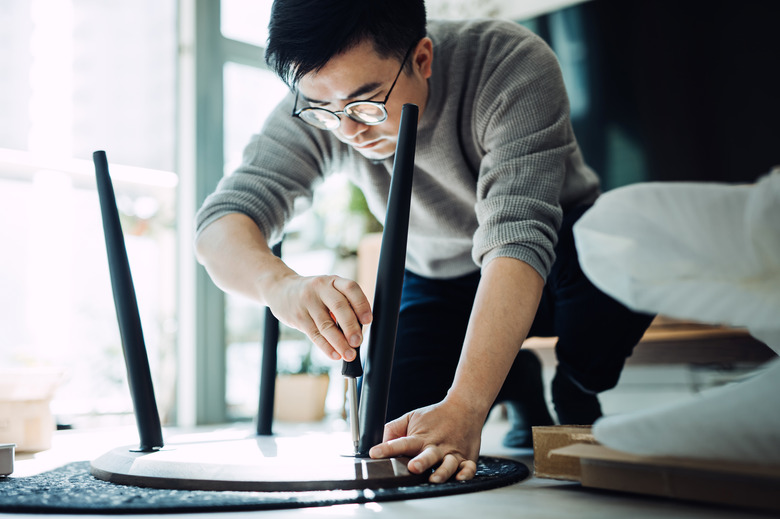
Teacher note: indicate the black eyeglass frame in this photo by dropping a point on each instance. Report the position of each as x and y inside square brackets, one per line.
[345, 111]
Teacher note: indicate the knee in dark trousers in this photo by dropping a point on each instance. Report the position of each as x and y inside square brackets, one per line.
[595, 332]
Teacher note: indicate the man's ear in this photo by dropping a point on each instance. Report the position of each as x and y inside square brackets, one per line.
[422, 59]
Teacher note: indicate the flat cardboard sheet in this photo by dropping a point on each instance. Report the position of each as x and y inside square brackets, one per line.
[547, 463]
[728, 483]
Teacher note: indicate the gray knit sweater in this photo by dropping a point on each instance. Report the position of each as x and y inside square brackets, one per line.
[496, 160]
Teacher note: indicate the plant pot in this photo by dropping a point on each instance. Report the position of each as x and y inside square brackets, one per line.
[300, 397]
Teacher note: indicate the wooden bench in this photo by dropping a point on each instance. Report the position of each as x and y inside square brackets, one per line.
[671, 341]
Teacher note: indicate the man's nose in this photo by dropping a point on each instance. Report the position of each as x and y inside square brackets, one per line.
[350, 128]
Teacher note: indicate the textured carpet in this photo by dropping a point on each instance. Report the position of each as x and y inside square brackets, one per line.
[71, 489]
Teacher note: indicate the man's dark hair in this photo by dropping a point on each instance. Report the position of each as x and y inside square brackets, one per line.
[304, 35]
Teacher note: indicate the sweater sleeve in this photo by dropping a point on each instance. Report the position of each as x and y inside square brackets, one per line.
[273, 174]
[522, 122]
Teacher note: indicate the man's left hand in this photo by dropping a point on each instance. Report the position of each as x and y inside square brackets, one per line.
[442, 434]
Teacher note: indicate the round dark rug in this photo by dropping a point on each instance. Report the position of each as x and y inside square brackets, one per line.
[71, 489]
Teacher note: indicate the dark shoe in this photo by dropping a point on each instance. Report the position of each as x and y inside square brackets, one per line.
[523, 395]
[573, 405]
[520, 435]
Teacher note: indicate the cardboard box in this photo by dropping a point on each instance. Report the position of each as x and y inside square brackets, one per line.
[25, 414]
[28, 424]
[6, 458]
[708, 481]
[547, 439]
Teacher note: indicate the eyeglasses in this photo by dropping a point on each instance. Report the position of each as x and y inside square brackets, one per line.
[365, 112]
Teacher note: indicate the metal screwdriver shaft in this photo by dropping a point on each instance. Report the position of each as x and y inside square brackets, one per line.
[352, 370]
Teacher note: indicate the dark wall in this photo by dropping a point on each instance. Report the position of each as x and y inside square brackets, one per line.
[674, 90]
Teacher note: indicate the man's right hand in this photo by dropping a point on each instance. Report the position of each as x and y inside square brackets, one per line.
[238, 259]
[306, 303]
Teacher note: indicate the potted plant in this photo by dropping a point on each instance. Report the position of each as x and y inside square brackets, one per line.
[302, 382]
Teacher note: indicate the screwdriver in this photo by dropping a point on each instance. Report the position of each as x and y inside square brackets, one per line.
[352, 370]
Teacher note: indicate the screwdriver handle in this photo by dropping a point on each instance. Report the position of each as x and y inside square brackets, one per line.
[354, 368]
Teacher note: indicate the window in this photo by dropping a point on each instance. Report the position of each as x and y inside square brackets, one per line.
[250, 93]
[81, 76]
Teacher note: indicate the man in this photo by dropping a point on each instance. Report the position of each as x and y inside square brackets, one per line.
[499, 181]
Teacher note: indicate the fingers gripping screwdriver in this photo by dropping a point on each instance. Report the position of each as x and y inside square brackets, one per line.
[352, 370]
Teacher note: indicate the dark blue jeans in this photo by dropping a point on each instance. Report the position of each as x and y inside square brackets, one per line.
[595, 332]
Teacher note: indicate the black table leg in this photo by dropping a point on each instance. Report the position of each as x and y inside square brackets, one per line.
[387, 296]
[265, 412]
[136, 360]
